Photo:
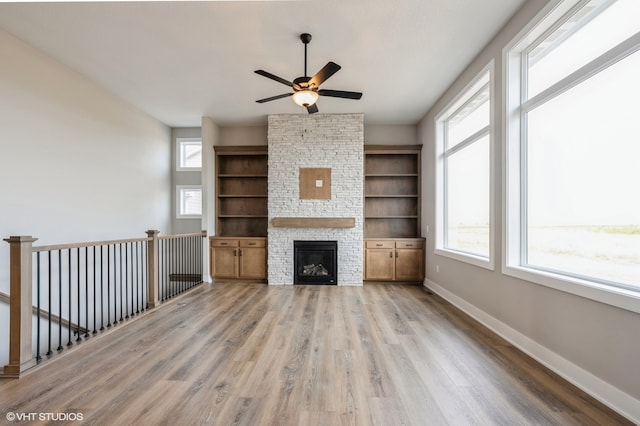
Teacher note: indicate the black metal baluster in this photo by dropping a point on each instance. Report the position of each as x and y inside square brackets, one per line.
[86, 291]
[121, 295]
[138, 270]
[195, 259]
[70, 343]
[79, 286]
[192, 260]
[94, 290]
[49, 351]
[167, 245]
[126, 280]
[174, 267]
[164, 268]
[178, 266]
[60, 347]
[38, 357]
[102, 287]
[145, 276]
[199, 260]
[133, 264]
[109, 286]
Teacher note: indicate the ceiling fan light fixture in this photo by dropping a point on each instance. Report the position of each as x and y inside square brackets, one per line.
[305, 98]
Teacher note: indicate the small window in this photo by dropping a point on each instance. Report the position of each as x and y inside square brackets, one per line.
[188, 154]
[189, 201]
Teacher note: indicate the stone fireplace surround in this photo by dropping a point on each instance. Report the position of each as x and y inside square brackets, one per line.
[334, 141]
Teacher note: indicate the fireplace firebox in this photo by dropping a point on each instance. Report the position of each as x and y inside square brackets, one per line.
[315, 262]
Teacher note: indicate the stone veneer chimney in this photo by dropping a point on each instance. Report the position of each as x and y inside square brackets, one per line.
[334, 141]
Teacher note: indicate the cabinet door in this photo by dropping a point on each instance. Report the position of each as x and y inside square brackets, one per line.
[224, 262]
[378, 264]
[253, 263]
[409, 263]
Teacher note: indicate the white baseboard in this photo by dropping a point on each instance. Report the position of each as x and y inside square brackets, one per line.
[609, 395]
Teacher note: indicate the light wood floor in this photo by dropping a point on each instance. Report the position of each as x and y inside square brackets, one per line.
[249, 354]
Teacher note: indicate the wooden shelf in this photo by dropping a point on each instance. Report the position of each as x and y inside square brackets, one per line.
[242, 196]
[242, 176]
[392, 191]
[391, 175]
[241, 191]
[313, 222]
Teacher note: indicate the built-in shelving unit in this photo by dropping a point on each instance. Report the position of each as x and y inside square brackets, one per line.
[394, 251]
[392, 191]
[241, 191]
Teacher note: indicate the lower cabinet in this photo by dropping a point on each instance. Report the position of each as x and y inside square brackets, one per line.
[242, 258]
[400, 260]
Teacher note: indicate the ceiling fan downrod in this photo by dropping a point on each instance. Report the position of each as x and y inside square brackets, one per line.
[306, 38]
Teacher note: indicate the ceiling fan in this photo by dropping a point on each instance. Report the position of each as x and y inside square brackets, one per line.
[307, 89]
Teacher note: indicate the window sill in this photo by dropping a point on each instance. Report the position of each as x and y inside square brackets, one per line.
[480, 261]
[618, 297]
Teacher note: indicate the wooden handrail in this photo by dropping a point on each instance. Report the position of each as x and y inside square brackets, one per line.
[111, 242]
[87, 244]
[202, 234]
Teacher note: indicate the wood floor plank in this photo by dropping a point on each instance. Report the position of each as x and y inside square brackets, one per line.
[250, 354]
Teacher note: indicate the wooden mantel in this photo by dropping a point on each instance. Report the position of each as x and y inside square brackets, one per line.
[314, 222]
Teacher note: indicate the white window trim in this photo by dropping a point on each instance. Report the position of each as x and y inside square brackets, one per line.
[178, 157]
[474, 85]
[512, 159]
[179, 189]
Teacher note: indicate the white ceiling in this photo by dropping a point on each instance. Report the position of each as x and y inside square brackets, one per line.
[179, 61]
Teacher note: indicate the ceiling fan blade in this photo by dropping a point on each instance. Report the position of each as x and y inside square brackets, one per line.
[273, 98]
[274, 77]
[311, 109]
[327, 71]
[340, 94]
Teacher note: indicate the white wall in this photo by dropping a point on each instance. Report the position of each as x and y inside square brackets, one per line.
[592, 344]
[76, 163]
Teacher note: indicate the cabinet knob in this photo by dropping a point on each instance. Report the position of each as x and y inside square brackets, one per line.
[390, 254]
[396, 255]
[235, 252]
[223, 244]
[252, 244]
[240, 252]
[409, 245]
[378, 245]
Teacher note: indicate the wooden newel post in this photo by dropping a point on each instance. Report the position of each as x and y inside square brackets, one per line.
[20, 306]
[152, 262]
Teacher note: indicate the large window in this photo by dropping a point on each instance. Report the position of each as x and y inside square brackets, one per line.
[464, 175]
[573, 147]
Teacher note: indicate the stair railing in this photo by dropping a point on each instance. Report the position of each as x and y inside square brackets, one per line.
[61, 295]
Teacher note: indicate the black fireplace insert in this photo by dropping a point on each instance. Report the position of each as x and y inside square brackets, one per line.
[315, 262]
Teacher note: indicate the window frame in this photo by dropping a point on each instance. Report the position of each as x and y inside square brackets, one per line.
[179, 201]
[484, 78]
[179, 166]
[516, 105]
